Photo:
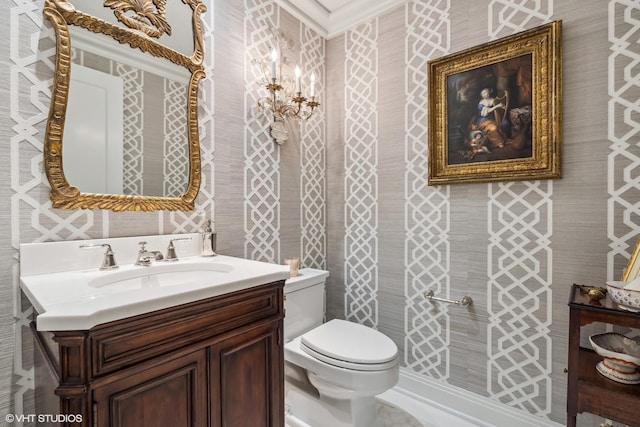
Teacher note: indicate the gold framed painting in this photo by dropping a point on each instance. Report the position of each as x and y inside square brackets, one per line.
[495, 110]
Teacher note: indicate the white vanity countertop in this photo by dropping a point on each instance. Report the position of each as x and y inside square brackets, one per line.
[81, 299]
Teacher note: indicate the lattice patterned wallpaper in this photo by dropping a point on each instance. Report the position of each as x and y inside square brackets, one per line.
[266, 186]
[361, 173]
[427, 210]
[520, 226]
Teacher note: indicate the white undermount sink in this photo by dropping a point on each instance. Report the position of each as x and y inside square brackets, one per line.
[82, 296]
[162, 274]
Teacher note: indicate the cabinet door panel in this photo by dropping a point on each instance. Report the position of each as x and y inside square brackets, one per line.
[167, 394]
[246, 380]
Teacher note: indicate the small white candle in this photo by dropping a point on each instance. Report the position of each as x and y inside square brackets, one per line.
[297, 71]
[312, 90]
[274, 60]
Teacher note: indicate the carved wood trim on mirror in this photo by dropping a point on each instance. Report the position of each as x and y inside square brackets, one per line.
[62, 14]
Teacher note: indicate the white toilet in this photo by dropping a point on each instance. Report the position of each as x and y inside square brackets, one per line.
[333, 370]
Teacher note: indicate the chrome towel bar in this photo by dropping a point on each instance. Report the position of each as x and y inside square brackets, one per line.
[465, 301]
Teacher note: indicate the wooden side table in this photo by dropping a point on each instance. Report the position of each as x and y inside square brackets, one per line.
[587, 390]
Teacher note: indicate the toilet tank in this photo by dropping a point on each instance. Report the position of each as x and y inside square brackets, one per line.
[304, 305]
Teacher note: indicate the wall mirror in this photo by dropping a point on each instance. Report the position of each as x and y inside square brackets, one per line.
[122, 132]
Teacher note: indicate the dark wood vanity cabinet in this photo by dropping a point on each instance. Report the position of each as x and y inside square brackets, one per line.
[214, 362]
[587, 390]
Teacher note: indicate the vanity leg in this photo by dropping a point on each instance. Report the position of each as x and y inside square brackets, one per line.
[573, 367]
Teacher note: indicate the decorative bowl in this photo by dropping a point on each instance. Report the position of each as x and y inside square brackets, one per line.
[627, 298]
[621, 357]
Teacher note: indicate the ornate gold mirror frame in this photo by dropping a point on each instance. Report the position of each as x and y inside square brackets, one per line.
[61, 13]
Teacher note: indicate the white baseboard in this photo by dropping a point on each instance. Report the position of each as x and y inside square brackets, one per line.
[438, 403]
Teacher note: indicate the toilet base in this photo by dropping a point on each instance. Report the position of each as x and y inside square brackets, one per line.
[324, 411]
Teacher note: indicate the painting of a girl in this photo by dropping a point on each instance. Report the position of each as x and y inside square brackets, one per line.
[483, 103]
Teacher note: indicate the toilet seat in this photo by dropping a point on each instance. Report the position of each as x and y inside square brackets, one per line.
[350, 345]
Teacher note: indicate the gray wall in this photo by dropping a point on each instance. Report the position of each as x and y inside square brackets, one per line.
[514, 247]
[348, 191]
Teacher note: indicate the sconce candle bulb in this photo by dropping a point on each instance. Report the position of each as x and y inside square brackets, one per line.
[274, 62]
[298, 85]
[312, 90]
[286, 97]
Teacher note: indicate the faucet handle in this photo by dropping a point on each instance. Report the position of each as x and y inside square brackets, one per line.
[171, 250]
[109, 261]
[142, 245]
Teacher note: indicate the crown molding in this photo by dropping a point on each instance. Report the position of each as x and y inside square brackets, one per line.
[332, 24]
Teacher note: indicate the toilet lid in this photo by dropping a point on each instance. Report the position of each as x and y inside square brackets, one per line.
[350, 345]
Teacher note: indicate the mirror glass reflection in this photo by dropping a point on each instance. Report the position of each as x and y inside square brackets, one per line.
[126, 127]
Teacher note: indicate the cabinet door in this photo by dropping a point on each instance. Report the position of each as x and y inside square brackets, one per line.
[247, 383]
[161, 393]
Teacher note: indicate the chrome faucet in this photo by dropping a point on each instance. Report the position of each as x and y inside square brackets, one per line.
[145, 257]
[171, 250]
[109, 261]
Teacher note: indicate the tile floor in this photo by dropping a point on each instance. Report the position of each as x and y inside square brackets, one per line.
[390, 416]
